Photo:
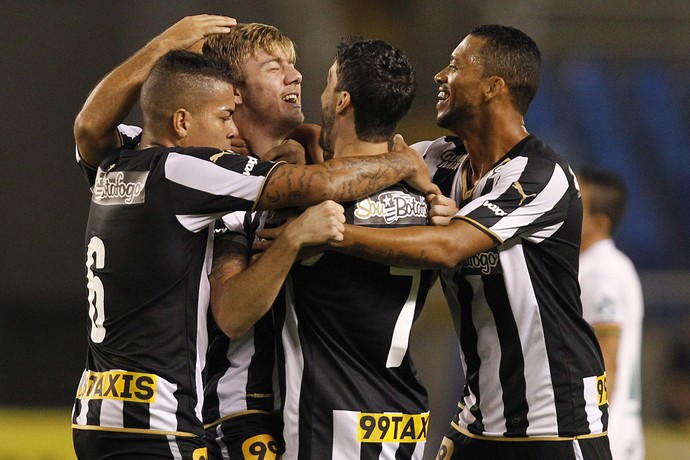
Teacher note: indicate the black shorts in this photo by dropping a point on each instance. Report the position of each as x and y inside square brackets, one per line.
[248, 436]
[457, 446]
[96, 444]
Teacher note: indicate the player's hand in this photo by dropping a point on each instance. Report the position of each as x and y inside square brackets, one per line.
[420, 178]
[240, 146]
[308, 135]
[319, 224]
[290, 151]
[280, 216]
[276, 221]
[441, 209]
[189, 32]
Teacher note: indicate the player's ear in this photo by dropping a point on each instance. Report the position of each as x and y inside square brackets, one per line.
[238, 95]
[343, 102]
[181, 119]
[494, 87]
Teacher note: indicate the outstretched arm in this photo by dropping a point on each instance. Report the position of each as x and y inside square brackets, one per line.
[429, 247]
[345, 179]
[95, 128]
[240, 296]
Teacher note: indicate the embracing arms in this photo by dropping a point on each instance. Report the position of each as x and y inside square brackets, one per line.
[443, 245]
[429, 247]
[345, 179]
[242, 294]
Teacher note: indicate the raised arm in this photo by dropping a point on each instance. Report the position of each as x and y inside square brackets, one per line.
[240, 296]
[345, 179]
[109, 103]
[429, 247]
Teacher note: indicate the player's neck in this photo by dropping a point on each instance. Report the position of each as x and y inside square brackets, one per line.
[487, 143]
[259, 146]
[261, 137]
[150, 139]
[355, 148]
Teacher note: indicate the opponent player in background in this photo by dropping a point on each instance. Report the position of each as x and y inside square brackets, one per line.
[535, 383]
[351, 388]
[148, 256]
[612, 302]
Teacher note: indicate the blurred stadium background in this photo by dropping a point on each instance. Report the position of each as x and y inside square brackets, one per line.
[615, 93]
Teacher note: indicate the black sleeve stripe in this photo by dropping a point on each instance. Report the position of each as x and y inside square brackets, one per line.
[481, 227]
[263, 186]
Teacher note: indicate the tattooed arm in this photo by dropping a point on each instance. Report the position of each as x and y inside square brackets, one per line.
[345, 179]
[415, 247]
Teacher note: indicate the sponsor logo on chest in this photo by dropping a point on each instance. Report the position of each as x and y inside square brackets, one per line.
[450, 160]
[391, 207]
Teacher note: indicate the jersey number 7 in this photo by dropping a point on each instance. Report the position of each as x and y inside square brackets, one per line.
[403, 326]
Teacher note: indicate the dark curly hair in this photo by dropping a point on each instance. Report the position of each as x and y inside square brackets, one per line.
[381, 83]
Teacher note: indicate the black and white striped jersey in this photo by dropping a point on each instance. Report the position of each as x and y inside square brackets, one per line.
[533, 365]
[148, 256]
[240, 372]
[351, 389]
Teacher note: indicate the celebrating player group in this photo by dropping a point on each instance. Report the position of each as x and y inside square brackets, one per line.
[252, 280]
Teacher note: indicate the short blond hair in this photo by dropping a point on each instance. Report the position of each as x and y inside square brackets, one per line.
[243, 41]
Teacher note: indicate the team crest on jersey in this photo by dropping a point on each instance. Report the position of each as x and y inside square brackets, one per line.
[484, 263]
[119, 187]
[391, 207]
[495, 173]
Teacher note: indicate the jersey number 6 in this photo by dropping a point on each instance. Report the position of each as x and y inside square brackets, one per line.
[95, 258]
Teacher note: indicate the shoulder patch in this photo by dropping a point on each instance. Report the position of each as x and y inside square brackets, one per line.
[119, 187]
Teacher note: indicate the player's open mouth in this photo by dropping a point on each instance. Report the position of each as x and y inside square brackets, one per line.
[291, 98]
[442, 96]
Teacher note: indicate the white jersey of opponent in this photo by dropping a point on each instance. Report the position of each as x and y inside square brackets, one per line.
[612, 294]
